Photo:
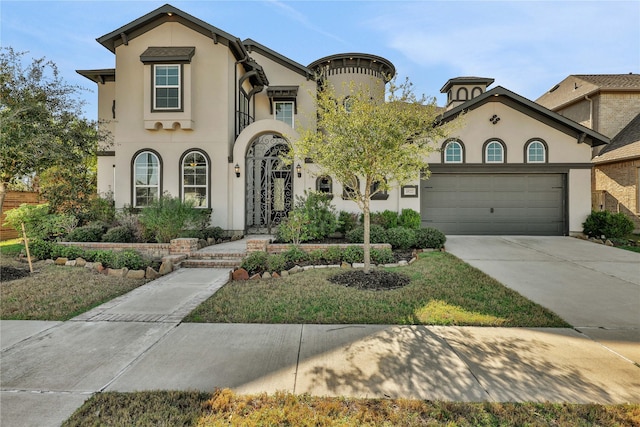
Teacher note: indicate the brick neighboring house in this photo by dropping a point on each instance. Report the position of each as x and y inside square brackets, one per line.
[610, 105]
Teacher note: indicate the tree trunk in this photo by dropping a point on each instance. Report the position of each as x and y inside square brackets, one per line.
[367, 237]
[3, 193]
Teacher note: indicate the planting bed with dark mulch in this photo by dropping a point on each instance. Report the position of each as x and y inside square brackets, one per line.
[8, 273]
[375, 280]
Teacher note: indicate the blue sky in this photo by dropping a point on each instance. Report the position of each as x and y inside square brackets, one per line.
[526, 46]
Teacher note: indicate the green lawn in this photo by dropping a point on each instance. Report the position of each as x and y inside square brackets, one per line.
[57, 293]
[443, 291]
[224, 408]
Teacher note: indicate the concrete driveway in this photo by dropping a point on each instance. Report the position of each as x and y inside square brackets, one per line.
[595, 288]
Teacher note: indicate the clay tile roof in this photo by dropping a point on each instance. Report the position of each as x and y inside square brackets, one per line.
[625, 145]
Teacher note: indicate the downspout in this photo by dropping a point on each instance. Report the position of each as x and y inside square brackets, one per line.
[590, 111]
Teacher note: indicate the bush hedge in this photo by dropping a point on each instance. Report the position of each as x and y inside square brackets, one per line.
[605, 223]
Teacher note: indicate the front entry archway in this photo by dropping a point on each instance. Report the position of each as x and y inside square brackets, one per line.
[269, 184]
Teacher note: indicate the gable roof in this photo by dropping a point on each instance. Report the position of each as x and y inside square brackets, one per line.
[624, 146]
[576, 86]
[532, 109]
[470, 80]
[252, 45]
[168, 13]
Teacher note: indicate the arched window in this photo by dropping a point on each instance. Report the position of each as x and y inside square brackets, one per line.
[324, 184]
[494, 152]
[462, 94]
[453, 152]
[476, 92]
[536, 151]
[147, 170]
[195, 178]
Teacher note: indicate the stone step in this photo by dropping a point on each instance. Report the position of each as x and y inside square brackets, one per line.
[211, 263]
[218, 255]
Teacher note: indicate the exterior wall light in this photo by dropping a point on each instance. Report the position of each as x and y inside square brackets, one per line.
[237, 169]
[299, 170]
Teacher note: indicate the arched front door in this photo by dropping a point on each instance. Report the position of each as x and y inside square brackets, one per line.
[269, 184]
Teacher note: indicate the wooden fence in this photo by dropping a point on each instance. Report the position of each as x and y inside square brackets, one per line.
[13, 199]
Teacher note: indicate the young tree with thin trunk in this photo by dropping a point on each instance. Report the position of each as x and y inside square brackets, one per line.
[371, 145]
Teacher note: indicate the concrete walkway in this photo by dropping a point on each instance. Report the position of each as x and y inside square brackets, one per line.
[136, 342]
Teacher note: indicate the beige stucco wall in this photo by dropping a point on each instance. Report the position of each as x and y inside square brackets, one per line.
[579, 189]
[515, 129]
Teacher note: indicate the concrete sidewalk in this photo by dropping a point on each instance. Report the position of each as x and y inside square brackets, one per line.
[136, 342]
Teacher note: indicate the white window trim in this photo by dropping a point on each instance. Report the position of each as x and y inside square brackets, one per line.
[136, 186]
[205, 186]
[293, 109]
[486, 153]
[178, 86]
[544, 152]
[461, 152]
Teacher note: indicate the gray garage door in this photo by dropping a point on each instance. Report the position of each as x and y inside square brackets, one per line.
[496, 204]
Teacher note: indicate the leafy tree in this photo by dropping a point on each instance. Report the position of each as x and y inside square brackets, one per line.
[370, 145]
[41, 123]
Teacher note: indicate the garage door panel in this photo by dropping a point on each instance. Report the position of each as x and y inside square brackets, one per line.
[494, 203]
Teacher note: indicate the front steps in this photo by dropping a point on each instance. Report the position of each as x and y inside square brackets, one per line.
[214, 260]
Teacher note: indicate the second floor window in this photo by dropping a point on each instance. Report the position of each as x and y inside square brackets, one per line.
[283, 111]
[166, 87]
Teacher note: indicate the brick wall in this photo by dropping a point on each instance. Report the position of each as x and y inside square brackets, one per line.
[616, 110]
[12, 200]
[616, 188]
[152, 250]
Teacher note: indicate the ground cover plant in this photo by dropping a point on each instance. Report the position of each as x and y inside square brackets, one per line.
[443, 291]
[53, 292]
[224, 408]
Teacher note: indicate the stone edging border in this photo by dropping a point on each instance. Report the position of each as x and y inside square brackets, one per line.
[240, 274]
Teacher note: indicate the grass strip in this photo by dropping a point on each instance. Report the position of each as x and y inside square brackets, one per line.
[225, 408]
[443, 291]
[58, 293]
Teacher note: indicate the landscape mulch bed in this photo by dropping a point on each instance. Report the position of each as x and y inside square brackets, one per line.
[377, 280]
[8, 273]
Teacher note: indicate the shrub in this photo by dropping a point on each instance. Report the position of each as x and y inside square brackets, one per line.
[347, 221]
[167, 217]
[401, 238]
[605, 223]
[333, 254]
[106, 258]
[119, 234]
[429, 238]
[294, 254]
[387, 219]
[100, 209]
[276, 262]
[382, 256]
[39, 223]
[353, 254]
[317, 256]
[132, 222]
[128, 259]
[409, 219]
[72, 252]
[40, 249]
[212, 233]
[87, 233]
[321, 214]
[255, 262]
[293, 229]
[377, 234]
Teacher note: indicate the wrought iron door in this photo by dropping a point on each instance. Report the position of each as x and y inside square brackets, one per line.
[269, 184]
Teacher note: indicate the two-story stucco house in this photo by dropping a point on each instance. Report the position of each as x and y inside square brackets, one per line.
[200, 114]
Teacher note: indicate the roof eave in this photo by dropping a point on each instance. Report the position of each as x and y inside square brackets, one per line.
[591, 137]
